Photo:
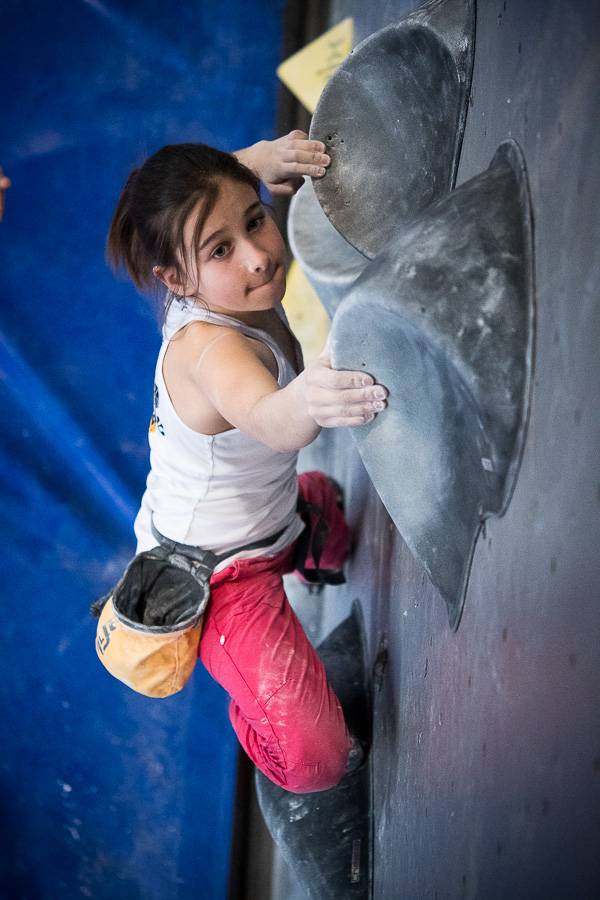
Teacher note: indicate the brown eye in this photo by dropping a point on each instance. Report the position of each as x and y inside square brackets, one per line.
[255, 223]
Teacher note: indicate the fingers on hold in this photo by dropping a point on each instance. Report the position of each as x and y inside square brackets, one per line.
[313, 171]
[361, 379]
[345, 421]
[330, 379]
[370, 408]
[284, 189]
[305, 168]
[309, 151]
[345, 380]
[318, 157]
[355, 401]
[373, 394]
[300, 136]
[349, 410]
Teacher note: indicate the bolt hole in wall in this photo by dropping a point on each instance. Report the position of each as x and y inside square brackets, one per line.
[104, 793]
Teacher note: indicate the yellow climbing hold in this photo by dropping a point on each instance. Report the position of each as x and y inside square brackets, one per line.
[307, 72]
[308, 320]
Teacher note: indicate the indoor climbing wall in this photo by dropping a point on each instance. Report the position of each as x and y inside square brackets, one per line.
[476, 496]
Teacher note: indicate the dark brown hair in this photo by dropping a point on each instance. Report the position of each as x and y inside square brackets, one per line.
[147, 226]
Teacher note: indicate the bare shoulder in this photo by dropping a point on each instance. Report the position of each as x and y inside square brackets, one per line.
[195, 335]
[188, 345]
[200, 341]
[189, 380]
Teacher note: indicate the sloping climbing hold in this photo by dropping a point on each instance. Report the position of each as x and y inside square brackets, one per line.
[444, 318]
[392, 117]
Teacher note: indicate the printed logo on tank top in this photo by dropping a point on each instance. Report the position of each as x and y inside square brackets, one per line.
[155, 423]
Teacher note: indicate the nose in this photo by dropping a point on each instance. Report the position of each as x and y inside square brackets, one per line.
[256, 258]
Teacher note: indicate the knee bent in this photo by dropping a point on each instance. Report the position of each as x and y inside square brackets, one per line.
[321, 766]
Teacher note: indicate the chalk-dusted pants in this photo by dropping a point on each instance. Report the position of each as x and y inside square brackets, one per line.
[287, 718]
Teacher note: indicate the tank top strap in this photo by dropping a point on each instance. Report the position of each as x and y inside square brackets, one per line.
[181, 312]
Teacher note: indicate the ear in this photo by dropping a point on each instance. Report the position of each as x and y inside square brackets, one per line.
[169, 277]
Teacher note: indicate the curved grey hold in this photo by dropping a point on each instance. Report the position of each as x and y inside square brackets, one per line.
[329, 262]
[392, 117]
[444, 318]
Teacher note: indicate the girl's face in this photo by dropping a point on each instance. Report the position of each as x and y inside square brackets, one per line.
[240, 262]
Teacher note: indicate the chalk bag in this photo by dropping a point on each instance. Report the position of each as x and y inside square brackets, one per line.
[151, 621]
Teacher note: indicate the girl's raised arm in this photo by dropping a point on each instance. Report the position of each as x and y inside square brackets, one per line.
[245, 393]
[281, 164]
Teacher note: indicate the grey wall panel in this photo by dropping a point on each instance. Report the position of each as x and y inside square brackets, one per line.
[487, 741]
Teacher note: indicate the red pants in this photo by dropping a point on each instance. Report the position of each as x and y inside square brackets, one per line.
[287, 718]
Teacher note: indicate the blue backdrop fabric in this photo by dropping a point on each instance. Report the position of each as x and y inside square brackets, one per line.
[104, 793]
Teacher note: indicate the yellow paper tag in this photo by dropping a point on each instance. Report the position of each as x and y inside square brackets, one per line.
[307, 72]
[307, 317]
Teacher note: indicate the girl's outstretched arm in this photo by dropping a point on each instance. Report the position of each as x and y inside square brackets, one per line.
[281, 164]
[246, 395]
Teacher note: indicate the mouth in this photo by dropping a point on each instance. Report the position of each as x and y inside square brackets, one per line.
[264, 283]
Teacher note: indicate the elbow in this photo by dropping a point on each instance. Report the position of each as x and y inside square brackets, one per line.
[285, 446]
[286, 443]
[307, 440]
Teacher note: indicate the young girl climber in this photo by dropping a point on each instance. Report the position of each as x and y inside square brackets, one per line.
[232, 406]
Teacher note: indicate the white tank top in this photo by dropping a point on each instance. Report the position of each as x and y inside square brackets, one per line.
[216, 491]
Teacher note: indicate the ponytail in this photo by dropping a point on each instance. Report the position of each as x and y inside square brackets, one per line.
[124, 246]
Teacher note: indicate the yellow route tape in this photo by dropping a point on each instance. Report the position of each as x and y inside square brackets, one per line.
[307, 72]
[307, 317]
